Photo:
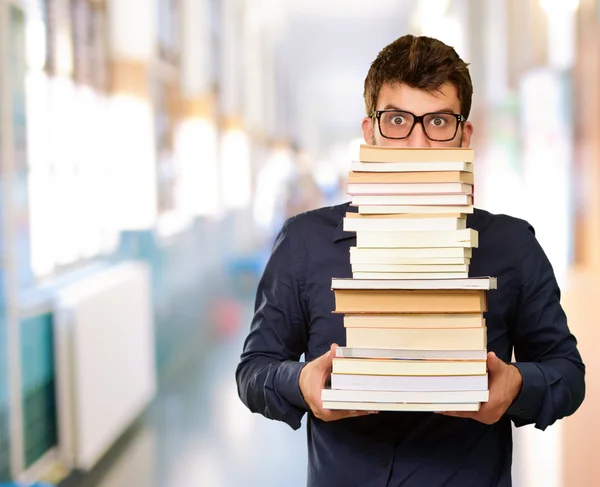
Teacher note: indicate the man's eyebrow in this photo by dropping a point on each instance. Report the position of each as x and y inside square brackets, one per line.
[391, 106]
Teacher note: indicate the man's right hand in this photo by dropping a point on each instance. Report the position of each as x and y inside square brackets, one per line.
[313, 377]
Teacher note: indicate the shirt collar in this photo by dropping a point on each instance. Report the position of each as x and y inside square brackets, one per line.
[339, 234]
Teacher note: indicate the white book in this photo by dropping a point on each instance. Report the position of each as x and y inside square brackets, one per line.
[442, 268]
[417, 320]
[475, 283]
[409, 275]
[409, 209]
[410, 354]
[409, 188]
[406, 224]
[411, 166]
[338, 395]
[413, 199]
[357, 382]
[400, 406]
[399, 239]
[397, 255]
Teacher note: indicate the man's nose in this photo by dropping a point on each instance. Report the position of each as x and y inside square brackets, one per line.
[418, 138]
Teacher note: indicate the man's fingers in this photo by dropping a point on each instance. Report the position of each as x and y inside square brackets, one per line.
[457, 414]
[334, 415]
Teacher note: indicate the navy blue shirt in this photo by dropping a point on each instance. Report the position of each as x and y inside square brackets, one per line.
[293, 316]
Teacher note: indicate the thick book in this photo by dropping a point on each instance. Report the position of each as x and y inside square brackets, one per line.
[355, 382]
[442, 320]
[427, 301]
[413, 199]
[467, 237]
[417, 339]
[405, 255]
[409, 275]
[375, 153]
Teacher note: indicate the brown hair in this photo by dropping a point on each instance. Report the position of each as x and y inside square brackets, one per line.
[420, 62]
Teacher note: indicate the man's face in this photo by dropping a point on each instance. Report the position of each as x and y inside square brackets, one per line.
[418, 102]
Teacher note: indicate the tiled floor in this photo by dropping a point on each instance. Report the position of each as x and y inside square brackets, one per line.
[200, 434]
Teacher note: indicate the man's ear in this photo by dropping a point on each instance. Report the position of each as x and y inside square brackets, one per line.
[467, 133]
[368, 128]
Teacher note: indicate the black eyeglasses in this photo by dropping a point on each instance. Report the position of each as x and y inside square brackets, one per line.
[399, 124]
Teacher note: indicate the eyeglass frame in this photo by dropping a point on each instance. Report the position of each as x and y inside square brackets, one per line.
[418, 119]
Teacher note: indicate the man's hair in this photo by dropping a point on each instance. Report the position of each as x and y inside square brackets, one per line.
[419, 62]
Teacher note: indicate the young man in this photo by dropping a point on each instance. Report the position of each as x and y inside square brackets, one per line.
[417, 89]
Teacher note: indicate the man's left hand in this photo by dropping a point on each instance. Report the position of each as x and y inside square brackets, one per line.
[505, 383]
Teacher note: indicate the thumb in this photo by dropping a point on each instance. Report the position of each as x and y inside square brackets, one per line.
[493, 362]
[327, 358]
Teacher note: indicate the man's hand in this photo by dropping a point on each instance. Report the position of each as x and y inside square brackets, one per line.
[505, 383]
[313, 377]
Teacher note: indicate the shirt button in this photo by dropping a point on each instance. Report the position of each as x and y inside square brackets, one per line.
[383, 462]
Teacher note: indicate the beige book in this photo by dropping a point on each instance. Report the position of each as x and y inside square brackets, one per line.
[428, 239]
[411, 177]
[363, 366]
[413, 199]
[372, 301]
[374, 153]
[414, 209]
[446, 320]
[397, 255]
[417, 338]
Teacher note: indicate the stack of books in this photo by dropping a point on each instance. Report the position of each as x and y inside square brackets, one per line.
[415, 329]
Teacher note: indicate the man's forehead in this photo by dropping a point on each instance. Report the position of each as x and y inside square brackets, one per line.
[406, 97]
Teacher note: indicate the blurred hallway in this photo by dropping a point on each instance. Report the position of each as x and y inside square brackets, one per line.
[150, 150]
[198, 433]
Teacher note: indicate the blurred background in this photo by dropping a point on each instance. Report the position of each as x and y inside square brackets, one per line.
[151, 149]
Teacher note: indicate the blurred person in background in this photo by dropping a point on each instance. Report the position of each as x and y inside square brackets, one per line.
[417, 94]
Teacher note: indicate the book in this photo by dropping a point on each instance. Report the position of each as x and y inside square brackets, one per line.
[470, 284]
[413, 199]
[340, 395]
[376, 153]
[412, 209]
[411, 177]
[409, 275]
[411, 166]
[410, 239]
[407, 383]
[401, 255]
[417, 339]
[408, 188]
[442, 320]
[353, 224]
[410, 354]
[400, 406]
[410, 268]
[425, 301]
